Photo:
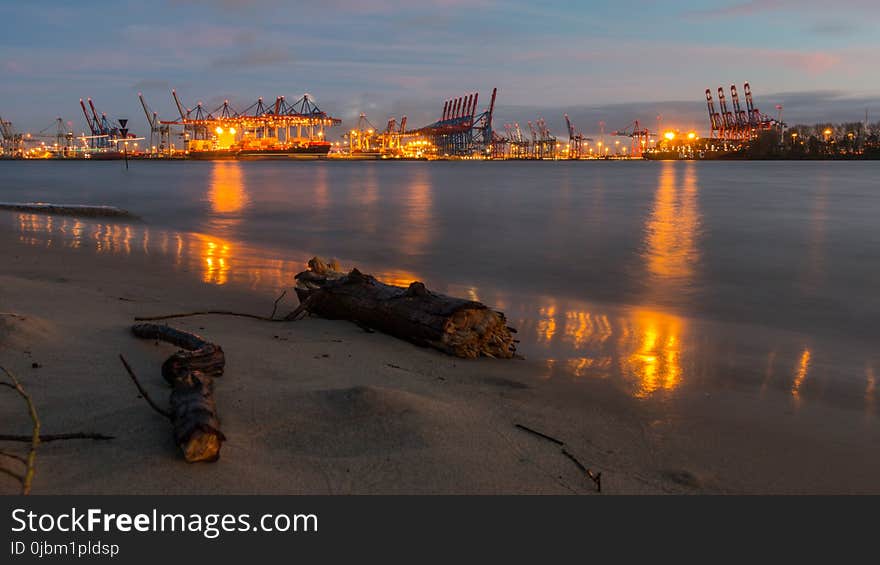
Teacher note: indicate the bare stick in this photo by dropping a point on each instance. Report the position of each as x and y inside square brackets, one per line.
[146, 396]
[206, 313]
[302, 308]
[28, 477]
[46, 438]
[12, 474]
[18, 458]
[596, 478]
[275, 306]
[539, 434]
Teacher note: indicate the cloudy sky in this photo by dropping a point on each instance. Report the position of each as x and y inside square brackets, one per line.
[613, 61]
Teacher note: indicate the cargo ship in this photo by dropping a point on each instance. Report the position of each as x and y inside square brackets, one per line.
[306, 149]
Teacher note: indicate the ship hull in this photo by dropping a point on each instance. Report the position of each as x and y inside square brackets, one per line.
[311, 151]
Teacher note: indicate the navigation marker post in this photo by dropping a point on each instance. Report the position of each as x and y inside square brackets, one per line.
[123, 131]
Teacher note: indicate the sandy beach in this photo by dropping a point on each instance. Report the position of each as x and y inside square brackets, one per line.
[319, 406]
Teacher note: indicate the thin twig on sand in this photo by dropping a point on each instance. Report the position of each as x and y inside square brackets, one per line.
[46, 438]
[275, 305]
[595, 477]
[206, 313]
[539, 434]
[143, 392]
[302, 308]
[18, 458]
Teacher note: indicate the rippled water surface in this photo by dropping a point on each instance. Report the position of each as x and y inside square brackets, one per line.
[666, 277]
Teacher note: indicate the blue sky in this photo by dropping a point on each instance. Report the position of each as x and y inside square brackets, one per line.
[611, 61]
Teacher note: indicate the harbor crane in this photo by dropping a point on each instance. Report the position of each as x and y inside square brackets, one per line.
[741, 118]
[62, 137]
[160, 134]
[739, 124]
[639, 135]
[576, 141]
[12, 141]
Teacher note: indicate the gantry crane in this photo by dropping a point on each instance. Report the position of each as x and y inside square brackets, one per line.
[62, 137]
[12, 141]
[639, 135]
[576, 141]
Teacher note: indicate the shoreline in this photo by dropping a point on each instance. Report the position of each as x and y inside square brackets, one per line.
[319, 406]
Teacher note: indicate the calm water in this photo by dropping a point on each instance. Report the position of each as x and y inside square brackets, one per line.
[667, 277]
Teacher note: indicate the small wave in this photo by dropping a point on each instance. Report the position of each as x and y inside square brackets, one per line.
[68, 209]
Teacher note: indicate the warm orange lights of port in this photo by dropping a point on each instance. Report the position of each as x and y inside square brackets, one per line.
[232, 131]
[669, 135]
[827, 132]
[692, 135]
[219, 130]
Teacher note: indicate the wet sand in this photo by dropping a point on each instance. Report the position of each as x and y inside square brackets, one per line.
[320, 406]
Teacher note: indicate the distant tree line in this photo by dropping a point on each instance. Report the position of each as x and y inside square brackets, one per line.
[847, 140]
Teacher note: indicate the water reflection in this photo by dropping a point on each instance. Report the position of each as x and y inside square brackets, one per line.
[671, 250]
[367, 198]
[641, 347]
[216, 260]
[814, 275]
[800, 374]
[648, 350]
[227, 192]
[227, 195]
[321, 196]
[417, 214]
[655, 345]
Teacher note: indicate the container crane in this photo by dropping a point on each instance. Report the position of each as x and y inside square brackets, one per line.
[576, 140]
[12, 141]
[62, 137]
[534, 134]
[639, 136]
[714, 117]
[742, 120]
[726, 115]
[160, 133]
[754, 113]
[741, 124]
[152, 119]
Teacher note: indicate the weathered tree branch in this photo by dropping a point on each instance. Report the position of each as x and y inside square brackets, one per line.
[190, 372]
[459, 327]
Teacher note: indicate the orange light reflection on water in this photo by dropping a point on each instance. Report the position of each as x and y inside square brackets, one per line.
[671, 230]
[216, 260]
[643, 347]
[800, 374]
[227, 193]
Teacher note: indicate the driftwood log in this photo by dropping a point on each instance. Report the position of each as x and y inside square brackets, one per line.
[191, 372]
[459, 327]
